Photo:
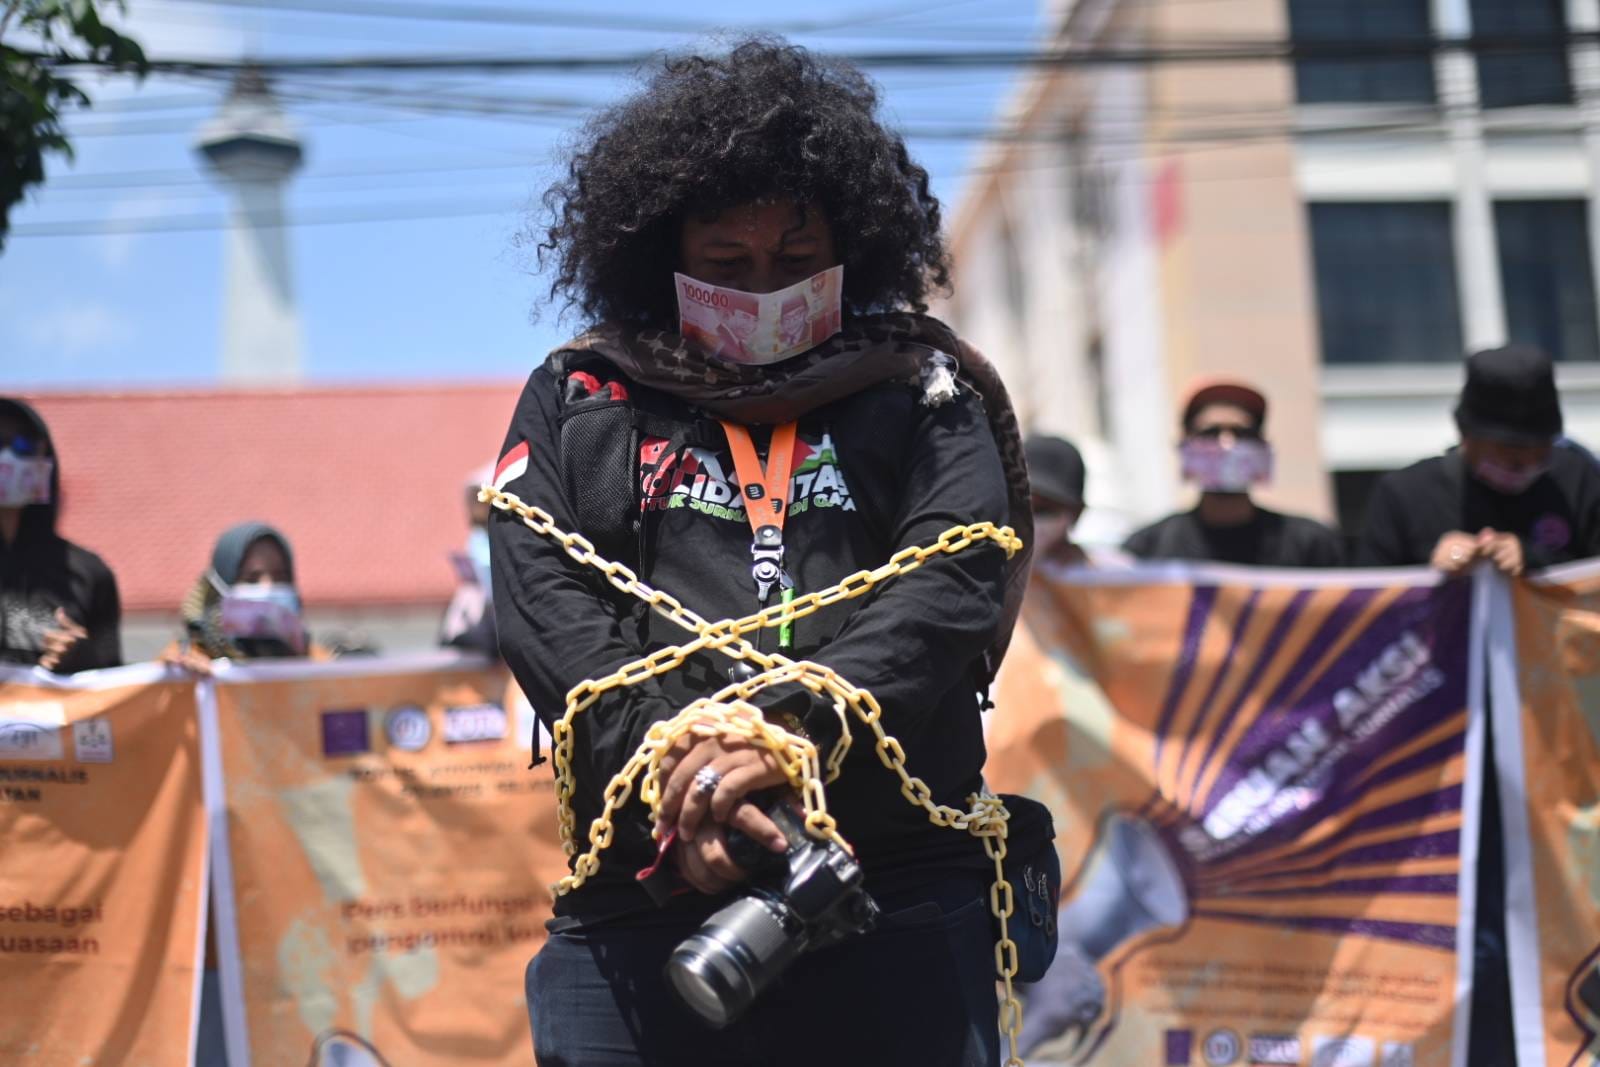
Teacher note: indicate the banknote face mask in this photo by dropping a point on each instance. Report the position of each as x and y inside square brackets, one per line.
[264, 611]
[758, 282]
[1225, 467]
[24, 476]
[1508, 469]
[760, 328]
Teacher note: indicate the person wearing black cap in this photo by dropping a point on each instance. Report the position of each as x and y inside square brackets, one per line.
[1055, 480]
[1224, 453]
[1510, 493]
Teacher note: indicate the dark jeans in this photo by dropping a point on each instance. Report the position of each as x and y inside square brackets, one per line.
[918, 991]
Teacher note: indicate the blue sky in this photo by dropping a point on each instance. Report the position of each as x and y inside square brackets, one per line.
[408, 296]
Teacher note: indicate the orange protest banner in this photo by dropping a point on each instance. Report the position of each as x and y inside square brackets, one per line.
[1260, 791]
[102, 871]
[383, 862]
[1546, 701]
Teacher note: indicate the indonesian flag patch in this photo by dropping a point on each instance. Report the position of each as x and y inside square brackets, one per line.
[512, 465]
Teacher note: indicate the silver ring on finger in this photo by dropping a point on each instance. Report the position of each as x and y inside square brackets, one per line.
[706, 780]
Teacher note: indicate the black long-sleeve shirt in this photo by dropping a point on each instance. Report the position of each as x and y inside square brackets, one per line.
[873, 473]
[40, 573]
[1557, 518]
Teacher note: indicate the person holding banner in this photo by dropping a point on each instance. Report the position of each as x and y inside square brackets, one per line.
[244, 606]
[1512, 496]
[730, 181]
[1225, 453]
[59, 607]
[1510, 493]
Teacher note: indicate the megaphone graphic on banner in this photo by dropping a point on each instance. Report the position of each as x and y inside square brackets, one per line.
[1583, 1004]
[340, 1048]
[1130, 885]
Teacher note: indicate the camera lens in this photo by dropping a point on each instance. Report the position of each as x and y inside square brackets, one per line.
[723, 966]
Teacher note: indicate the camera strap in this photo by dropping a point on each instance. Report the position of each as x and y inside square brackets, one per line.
[765, 488]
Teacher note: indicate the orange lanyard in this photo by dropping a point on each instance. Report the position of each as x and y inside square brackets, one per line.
[765, 489]
[766, 501]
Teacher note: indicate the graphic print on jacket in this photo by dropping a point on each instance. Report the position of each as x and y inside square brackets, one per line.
[703, 479]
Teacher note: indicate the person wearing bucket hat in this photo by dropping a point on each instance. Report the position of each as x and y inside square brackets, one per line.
[1511, 492]
[1225, 454]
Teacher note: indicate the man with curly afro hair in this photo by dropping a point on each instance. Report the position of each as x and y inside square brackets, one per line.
[729, 477]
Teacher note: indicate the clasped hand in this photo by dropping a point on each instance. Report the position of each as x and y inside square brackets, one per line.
[1456, 551]
[703, 818]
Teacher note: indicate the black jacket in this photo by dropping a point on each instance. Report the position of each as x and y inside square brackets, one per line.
[42, 571]
[1557, 518]
[651, 481]
[1271, 539]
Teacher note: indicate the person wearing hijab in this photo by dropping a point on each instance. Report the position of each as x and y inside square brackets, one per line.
[59, 607]
[244, 605]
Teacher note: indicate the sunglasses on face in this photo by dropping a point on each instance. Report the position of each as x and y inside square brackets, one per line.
[20, 445]
[1212, 433]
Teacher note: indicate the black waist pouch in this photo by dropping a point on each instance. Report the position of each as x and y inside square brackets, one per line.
[1034, 871]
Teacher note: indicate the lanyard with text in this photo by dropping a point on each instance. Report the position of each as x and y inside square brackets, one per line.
[766, 503]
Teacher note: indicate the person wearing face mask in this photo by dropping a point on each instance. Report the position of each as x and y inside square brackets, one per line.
[1056, 477]
[1510, 493]
[244, 605]
[59, 607]
[469, 618]
[1514, 494]
[1225, 454]
[731, 183]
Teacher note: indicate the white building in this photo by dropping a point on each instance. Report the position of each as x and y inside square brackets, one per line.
[1340, 231]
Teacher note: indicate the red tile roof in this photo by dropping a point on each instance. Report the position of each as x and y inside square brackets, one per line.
[366, 482]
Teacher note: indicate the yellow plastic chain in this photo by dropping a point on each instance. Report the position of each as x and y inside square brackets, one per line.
[728, 713]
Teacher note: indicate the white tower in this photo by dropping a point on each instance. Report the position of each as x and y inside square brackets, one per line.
[253, 150]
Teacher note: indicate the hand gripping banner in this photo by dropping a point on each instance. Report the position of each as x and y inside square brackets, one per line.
[1259, 781]
[102, 868]
[1545, 665]
[382, 862]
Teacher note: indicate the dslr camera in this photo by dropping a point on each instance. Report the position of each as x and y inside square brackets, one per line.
[807, 898]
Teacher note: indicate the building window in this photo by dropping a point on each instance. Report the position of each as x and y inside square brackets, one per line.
[1548, 276]
[1388, 80]
[1536, 76]
[1386, 283]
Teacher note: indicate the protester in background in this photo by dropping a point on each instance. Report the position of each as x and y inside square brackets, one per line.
[1225, 454]
[1056, 477]
[469, 619]
[245, 605]
[1510, 493]
[58, 602]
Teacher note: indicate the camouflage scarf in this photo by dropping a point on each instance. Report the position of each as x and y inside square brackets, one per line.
[869, 350]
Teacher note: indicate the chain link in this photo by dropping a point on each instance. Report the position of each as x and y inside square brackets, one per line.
[729, 713]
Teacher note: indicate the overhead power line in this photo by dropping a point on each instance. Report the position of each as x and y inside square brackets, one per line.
[1215, 51]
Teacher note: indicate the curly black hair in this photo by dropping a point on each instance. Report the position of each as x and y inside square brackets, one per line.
[764, 120]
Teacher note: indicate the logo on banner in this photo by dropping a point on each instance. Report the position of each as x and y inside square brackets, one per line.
[1342, 1052]
[1180, 1047]
[408, 728]
[1397, 1054]
[1220, 1048]
[344, 733]
[91, 741]
[31, 729]
[1274, 1050]
[476, 722]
